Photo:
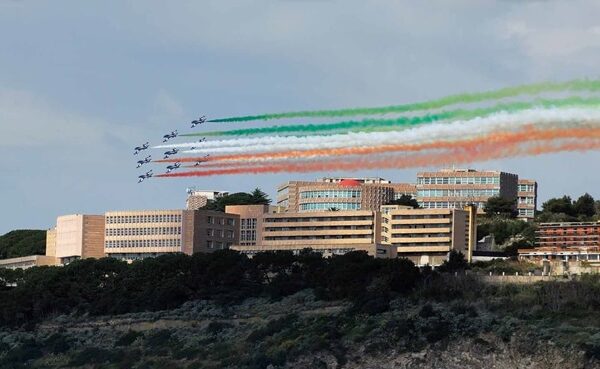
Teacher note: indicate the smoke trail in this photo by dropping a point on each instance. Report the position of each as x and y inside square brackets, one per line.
[532, 89]
[463, 155]
[528, 133]
[459, 129]
[402, 122]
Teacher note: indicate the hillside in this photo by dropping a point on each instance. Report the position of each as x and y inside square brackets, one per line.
[22, 243]
[223, 310]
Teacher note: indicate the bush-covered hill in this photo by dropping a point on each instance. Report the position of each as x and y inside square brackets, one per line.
[22, 243]
[278, 310]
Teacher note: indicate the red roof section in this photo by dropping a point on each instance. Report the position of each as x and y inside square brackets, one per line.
[349, 183]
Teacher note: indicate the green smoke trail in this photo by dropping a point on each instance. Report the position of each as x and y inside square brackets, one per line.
[532, 89]
[367, 125]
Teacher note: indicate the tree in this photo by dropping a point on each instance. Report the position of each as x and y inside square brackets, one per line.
[559, 205]
[406, 200]
[500, 206]
[257, 197]
[585, 206]
[456, 262]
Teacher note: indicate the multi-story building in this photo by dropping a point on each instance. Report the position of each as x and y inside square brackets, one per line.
[26, 262]
[251, 219]
[339, 194]
[426, 236]
[527, 199]
[568, 234]
[132, 235]
[197, 199]
[329, 232]
[457, 188]
[560, 260]
[76, 237]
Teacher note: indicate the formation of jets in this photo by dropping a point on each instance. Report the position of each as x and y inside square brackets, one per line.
[167, 154]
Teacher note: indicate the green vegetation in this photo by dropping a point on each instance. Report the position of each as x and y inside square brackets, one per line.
[563, 209]
[406, 200]
[257, 197]
[300, 311]
[499, 206]
[22, 243]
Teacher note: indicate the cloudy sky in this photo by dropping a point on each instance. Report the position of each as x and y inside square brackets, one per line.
[81, 84]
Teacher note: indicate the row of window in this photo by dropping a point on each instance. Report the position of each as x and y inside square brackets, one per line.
[246, 223]
[317, 228]
[221, 221]
[323, 237]
[330, 193]
[526, 188]
[248, 235]
[217, 245]
[526, 212]
[526, 200]
[318, 219]
[144, 243]
[465, 192]
[325, 206]
[450, 204]
[164, 218]
[154, 231]
[220, 233]
[458, 180]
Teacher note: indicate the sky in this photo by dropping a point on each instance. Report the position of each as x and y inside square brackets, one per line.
[82, 83]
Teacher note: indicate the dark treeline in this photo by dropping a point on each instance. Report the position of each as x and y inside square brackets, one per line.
[109, 286]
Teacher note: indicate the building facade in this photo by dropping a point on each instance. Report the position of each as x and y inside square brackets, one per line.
[343, 194]
[564, 261]
[328, 232]
[26, 262]
[426, 236]
[568, 234]
[527, 199]
[457, 188]
[76, 237]
[251, 220]
[132, 235]
[197, 199]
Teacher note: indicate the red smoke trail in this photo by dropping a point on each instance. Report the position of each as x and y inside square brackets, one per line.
[465, 154]
[529, 133]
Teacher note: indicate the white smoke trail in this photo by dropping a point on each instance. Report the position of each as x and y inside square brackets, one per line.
[549, 118]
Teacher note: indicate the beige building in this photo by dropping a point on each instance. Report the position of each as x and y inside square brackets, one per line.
[426, 236]
[328, 232]
[76, 237]
[251, 221]
[132, 235]
[197, 199]
[527, 199]
[343, 194]
[26, 262]
[457, 188]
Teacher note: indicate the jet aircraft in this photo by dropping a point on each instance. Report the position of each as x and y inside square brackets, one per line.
[202, 160]
[169, 136]
[147, 160]
[141, 148]
[171, 168]
[198, 121]
[145, 176]
[171, 152]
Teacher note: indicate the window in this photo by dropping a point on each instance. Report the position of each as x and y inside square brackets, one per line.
[210, 220]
